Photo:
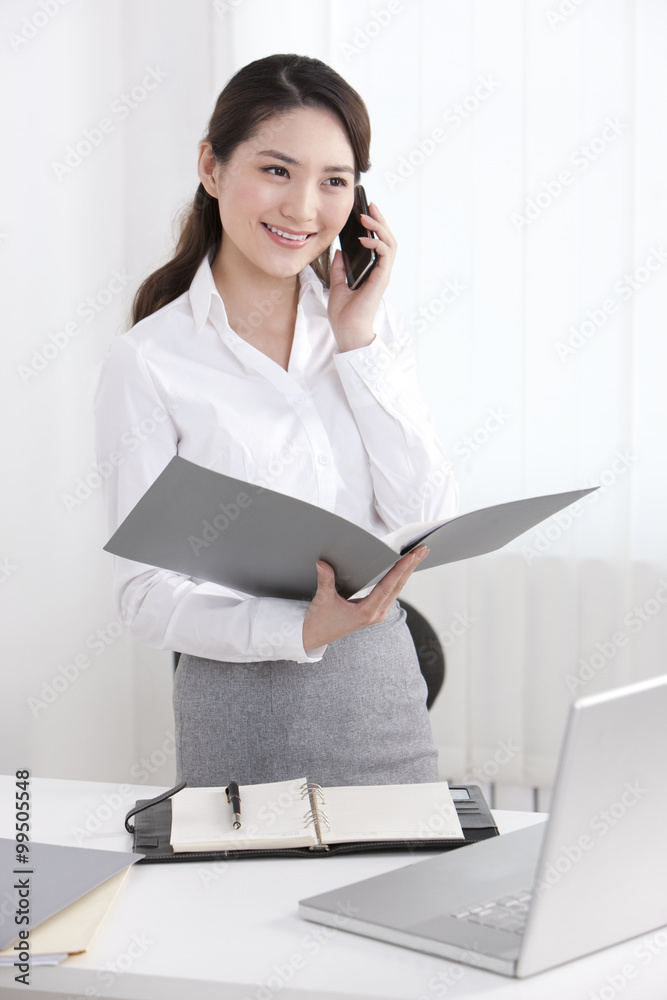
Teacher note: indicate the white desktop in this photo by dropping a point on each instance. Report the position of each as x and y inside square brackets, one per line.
[201, 930]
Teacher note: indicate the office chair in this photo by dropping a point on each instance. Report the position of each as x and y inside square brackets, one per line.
[429, 649]
[427, 645]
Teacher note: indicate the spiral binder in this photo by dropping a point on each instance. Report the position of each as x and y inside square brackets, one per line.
[315, 821]
[316, 815]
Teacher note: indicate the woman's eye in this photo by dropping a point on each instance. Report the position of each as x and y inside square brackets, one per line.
[340, 182]
[268, 169]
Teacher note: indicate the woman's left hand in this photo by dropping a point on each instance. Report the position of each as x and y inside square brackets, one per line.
[351, 312]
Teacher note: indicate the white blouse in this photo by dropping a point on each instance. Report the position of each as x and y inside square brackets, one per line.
[349, 432]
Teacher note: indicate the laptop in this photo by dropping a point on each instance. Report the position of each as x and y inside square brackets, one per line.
[591, 875]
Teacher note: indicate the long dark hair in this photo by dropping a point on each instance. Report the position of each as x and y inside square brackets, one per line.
[259, 92]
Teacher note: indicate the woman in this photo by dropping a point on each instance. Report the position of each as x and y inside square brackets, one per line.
[251, 356]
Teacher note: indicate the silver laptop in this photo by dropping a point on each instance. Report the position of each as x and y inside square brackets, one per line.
[593, 874]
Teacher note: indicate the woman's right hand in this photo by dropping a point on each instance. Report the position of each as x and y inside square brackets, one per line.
[330, 616]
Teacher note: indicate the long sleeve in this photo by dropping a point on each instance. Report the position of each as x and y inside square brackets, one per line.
[136, 436]
[412, 477]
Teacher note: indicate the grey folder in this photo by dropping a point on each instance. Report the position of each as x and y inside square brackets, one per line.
[53, 877]
[209, 526]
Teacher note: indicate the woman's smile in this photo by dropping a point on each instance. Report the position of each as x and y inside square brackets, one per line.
[286, 237]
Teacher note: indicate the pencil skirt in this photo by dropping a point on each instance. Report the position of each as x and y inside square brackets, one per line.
[356, 717]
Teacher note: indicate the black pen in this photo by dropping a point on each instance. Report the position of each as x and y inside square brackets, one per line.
[234, 796]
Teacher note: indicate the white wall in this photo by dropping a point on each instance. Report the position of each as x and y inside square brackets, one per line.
[518, 91]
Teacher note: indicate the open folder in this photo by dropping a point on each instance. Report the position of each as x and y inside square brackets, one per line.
[209, 526]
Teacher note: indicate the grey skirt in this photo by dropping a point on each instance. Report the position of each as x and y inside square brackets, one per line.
[356, 717]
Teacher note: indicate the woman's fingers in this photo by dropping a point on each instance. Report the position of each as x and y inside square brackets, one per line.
[377, 224]
[326, 583]
[384, 242]
[386, 590]
[330, 616]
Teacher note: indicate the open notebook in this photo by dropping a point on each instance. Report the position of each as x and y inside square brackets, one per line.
[301, 814]
[298, 818]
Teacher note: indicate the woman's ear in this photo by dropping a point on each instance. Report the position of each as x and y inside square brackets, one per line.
[206, 169]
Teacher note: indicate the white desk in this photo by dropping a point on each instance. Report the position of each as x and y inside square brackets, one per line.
[199, 931]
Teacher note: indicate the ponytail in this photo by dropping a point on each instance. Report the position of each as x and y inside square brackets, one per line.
[201, 232]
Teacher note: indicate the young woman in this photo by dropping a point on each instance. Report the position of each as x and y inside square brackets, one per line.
[250, 355]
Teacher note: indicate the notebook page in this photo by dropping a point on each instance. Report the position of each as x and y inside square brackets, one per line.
[272, 815]
[390, 812]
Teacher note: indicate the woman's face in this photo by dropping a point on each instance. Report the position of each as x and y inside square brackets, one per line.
[297, 176]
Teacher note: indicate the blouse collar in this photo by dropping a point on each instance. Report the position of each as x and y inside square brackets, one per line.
[204, 295]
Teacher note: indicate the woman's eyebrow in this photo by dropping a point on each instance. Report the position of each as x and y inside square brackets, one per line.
[339, 169]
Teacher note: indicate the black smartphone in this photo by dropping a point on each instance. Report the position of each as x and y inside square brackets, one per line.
[358, 259]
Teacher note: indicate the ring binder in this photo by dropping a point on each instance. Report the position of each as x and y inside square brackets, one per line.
[315, 788]
[191, 825]
[315, 814]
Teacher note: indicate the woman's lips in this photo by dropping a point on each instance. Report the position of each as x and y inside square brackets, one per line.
[285, 241]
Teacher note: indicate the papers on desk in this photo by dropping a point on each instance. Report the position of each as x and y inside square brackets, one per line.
[70, 931]
[71, 891]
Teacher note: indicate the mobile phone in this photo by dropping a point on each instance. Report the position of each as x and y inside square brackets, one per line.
[358, 259]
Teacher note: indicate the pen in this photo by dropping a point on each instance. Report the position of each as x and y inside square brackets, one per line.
[234, 796]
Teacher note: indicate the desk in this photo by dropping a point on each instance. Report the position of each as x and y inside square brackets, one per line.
[230, 931]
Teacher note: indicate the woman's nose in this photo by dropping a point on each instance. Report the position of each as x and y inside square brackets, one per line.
[300, 204]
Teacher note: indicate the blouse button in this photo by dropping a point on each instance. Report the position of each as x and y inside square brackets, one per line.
[323, 460]
[298, 400]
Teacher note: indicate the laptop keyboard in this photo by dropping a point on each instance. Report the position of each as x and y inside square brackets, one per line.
[507, 913]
